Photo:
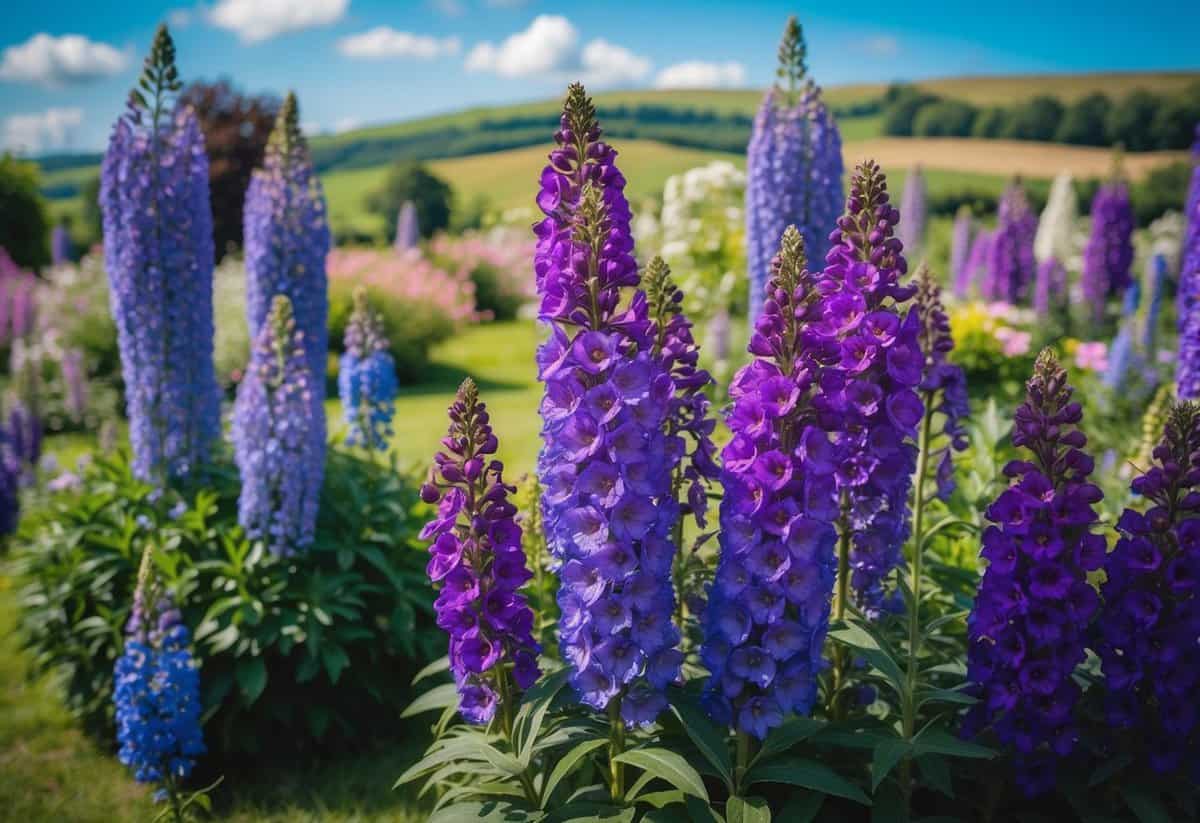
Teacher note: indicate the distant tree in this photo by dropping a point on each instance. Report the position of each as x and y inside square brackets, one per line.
[1084, 123]
[989, 122]
[1175, 123]
[1130, 121]
[408, 180]
[1035, 119]
[945, 118]
[236, 127]
[24, 228]
[902, 103]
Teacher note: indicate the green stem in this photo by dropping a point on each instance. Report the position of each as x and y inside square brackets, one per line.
[616, 745]
[743, 760]
[173, 798]
[506, 725]
[909, 720]
[839, 608]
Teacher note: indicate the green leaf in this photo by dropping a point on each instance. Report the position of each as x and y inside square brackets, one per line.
[885, 757]
[889, 806]
[439, 697]
[1146, 807]
[668, 766]
[336, 660]
[658, 800]
[868, 647]
[485, 811]
[794, 730]
[701, 812]
[934, 740]
[588, 812]
[533, 710]
[747, 810]
[442, 664]
[802, 807]
[808, 774]
[936, 773]
[926, 696]
[251, 678]
[1108, 769]
[712, 742]
[566, 764]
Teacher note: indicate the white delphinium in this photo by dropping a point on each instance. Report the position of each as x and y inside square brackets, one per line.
[1056, 228]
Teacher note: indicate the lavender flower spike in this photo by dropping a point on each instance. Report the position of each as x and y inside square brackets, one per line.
[408, 233]
[1050, 288]
[1010, 262]
[1027, 631]
[960, 251]
[367, 379]
[793, 166]
[911, 230]
[1109, 250]
[1187, 368]
[477, 559]
[943, 384]
[159, 255]
[278, 437]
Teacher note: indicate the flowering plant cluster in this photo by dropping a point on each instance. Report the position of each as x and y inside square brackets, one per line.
[1187, 369]
[367, 379]
[495, 261]
[478, 561]
[408, 279]
[1108, 254]
[1010, 261]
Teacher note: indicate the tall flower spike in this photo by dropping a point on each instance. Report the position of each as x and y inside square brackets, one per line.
[279, 437]
[1187, 367]
[960, 251]
[1109, 250]
[793, 167]
[157, 688]
[408, 232]
[871, 368]
[768, 608]
[10, 486]
[60, 245]
[974, 276]
[477, 560]
[1055, 236]
[1027, 631]
[605, 466]
[367, 379]
[1010, 261]
[159, 255]
[1146, 634]
[943, 383]
[913, 207]
[1050, 288]
[1153, 286]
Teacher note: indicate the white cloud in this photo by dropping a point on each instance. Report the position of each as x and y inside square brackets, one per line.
[346, 124]
[697, 74]
[181, 18]
[504, 4]
[450, 8]
[550, 47]
[384, 41]
[56, 61]
[39, 132]
[257, 20]
[883, 45]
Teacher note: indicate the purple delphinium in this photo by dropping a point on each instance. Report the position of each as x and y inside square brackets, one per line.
[1026, 633]
[10, 486]
[408, 232]
[1187, 367]
[1109, 250]
[477, 559]
[606, 462]
[1050, 288]
[943, 384]
[793, 167]
[688, 420]
[1010, 262]
[75, 385]
[1150, 619]
[960, 251]
[871, 367]
[911, 231]
[158, 251]
[769, 604]
[279, 443]
[287, 241]
[974, 273]
[60, 245]
[367, 379]
[25, 430]
[1153, 286]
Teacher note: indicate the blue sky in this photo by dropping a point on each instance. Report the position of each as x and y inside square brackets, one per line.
[65, 66]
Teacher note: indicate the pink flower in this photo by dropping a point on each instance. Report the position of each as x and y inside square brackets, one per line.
[1092, 356]
[1014, 343]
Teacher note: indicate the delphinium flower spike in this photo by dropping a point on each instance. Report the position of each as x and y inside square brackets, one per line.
[157, 690]
[367, 379]
[871, 367]
[1056, 227]
[408, 231]
[1010, 262]
[974, 275]
[278, 440]
[60, 245]
[479, 565]
[10, 486]
[158, 250]
[960, 252]
[793, 166]
[1050, 288]
[1187, 366]
[605, 466]
[768, 608]
[1026, 633]
[1146, 634]
[1109, 250]
[911, 231]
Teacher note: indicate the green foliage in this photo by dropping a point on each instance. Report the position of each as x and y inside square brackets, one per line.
[492, 292]
[944, 118]
[1129, 121]
[408, 180]
[1036, 119]
[902, 103]
[300, 655]
[1084, 122]
[24, 227]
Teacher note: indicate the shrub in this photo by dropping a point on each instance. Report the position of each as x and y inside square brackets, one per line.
[1084, 123]
[1129, 121]
[1036, 119]
[945, 118]
[989, 122]
[298, 655]
[497, 262]
[901, 109]
[24, 228]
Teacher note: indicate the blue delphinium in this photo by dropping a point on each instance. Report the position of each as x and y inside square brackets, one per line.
[1150, 618]
[279, 441]
[408, 231]
[793, 167]
[158, 251]
[1027, 631]
[1153, 286]
[478, 561]
[768, 608]
[156, 691]
[10, 485]
[367, 379]
[605, 465]
[1187, 367]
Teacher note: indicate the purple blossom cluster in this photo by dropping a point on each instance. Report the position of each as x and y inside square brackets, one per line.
[871, 366]
[477, 559]
[17, 302]
[793, 167]
[1010, 262]
[1027, 631]
[1109, 250]
[769, 604]
[943, 384]
[279, 437]
[60, 245]
[10, 486]
[606, 462]
[1187, 368]
[408, 231]
[913, 207]
[1050, 287]
[367, 379]
[158, 250]
[973, 276]
[1146, 634]
[960, 252]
